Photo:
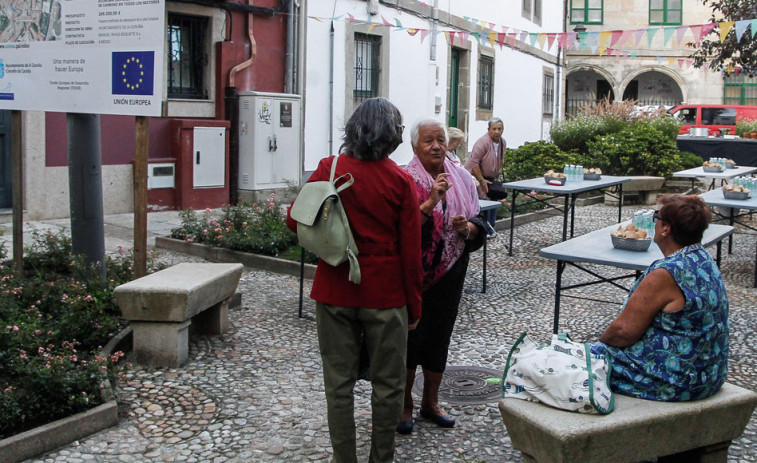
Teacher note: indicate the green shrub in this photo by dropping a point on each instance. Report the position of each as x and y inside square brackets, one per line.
[690, 160]
[533, 159]
[258, 228]
[572, 135]
[745, 125]
[53, 321]
[640, 149]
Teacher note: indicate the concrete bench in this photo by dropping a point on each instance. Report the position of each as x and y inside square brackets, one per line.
[637, 430]
[647, 188]
[161, 307]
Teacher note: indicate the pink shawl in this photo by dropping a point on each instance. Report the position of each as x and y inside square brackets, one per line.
[444, 246]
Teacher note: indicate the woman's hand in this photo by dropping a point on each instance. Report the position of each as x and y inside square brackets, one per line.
[460, 224]
[439, 187]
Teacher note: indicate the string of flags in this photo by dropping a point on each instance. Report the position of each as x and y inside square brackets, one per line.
[618, 43]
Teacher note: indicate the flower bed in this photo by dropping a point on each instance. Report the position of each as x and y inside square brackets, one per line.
[54, 320]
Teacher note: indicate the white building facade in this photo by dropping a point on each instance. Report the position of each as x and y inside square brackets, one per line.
[459, 61]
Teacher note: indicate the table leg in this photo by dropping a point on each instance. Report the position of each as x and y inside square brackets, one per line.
[730, 238]
[620, 203]
[302, 277]
[512, 222]
[565, 218]
[483, 288]
[572, 212]
[718, 254]
[755, 270]
[558, 285]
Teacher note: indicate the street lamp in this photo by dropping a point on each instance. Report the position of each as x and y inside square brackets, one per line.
[578, 29]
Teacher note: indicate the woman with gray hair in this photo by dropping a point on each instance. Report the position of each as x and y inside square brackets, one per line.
[382, 207]
[450, 228]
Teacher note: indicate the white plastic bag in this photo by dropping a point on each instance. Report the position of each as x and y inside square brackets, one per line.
[563, 375]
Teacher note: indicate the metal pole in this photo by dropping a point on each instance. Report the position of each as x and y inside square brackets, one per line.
[331, 92]
[17, 161]
[86, 191]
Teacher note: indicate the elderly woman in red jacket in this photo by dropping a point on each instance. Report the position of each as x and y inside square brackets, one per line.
[382, 207]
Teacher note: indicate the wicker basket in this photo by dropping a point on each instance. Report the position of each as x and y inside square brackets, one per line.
[735, 194]
[555, 179]
[712, 169]
[630, 244]
[592, 176]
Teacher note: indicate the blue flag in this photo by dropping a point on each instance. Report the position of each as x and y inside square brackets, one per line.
[133, 72]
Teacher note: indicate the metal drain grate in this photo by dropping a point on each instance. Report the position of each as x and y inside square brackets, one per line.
[465, 385]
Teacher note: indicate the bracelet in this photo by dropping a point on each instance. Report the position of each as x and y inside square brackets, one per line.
[467, 227]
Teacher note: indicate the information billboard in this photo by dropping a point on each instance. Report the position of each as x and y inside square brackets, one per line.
[82, 56]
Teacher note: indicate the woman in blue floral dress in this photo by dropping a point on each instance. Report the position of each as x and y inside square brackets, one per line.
[670, 343]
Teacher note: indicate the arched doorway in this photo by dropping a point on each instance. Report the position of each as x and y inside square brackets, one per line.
[653, 88]
[586, 87]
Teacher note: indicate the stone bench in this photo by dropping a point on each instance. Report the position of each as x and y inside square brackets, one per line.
[637, 430]
[647, 188]
[161, 307]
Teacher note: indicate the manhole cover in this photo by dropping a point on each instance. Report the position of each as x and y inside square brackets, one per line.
[465, 385]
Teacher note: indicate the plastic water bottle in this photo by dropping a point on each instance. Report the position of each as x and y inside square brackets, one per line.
[636, 219]
[580, 174]
[569, 173]
[566, 171]
[649, 223]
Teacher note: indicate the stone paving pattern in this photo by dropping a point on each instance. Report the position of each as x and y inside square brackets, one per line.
[255, 394]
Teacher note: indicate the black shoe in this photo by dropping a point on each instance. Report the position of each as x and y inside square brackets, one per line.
[443, 421]
[405, 427]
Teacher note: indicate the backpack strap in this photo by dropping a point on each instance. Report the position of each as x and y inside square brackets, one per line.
[354, 275]
[346, 184]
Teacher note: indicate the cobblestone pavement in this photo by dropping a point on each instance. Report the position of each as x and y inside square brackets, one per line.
[255, 394]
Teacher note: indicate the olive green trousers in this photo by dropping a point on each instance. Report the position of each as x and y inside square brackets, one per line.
[339, 338]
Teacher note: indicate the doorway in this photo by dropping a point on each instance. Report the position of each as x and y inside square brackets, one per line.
[454, 88]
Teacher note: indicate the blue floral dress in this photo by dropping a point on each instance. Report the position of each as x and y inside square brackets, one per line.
[683, 355]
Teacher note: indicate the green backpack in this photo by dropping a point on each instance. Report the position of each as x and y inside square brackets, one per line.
[322, 225]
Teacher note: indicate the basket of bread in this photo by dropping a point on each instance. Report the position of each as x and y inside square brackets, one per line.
[730, 164]
[712, 167]
[630, 238]
[554, 178]
[593, 173]
[735, 192]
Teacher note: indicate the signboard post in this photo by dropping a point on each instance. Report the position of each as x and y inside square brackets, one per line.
[86, 56]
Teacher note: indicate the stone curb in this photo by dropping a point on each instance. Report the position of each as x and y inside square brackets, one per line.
[214, 254]
[50, 436]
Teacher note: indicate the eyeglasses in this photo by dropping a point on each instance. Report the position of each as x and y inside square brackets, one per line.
[656, 216]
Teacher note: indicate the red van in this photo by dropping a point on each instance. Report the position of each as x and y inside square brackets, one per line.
[711, 116]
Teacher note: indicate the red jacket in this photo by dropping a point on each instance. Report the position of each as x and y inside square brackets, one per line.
[384, 214]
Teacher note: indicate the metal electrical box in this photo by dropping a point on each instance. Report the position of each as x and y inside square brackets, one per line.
[209, 157]
[270, 140]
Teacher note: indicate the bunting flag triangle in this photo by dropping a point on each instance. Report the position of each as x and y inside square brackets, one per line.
[741, 28]
[450, 36]
[593, 39]
[370, 28]
[399, 24]
[650, 35]
[638, 34]
[707, 28]
[463, 36]
[680, 63]
[492, 37]
[667, 34]
[411, 31]
[351, 18]
[725, 28]
[671, 60]
[542, 40]
[511, 40]
[696, 31]
[492, 26]
[616, 35]
[316, 18]
[424, 33]
[550, 40]
[680, 31]
[604, 37]
[625, 37]
[523, 36]
[386, 23]
[633, 55]
[532, 38]
[753, 27]
[501, 39]
[602, 50]
[504, 29]
[572, 39]
[562, 40]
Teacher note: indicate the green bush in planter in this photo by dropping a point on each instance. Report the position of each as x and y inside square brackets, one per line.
[745, 125]
[572, 135]
[640, 149]
[533, 159]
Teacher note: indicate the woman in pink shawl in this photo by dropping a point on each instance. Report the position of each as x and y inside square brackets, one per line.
[450, 228]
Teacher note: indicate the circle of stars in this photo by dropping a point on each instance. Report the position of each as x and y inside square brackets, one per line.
[134, 85]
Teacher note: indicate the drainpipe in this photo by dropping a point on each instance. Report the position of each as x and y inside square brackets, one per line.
[289, 71]
[331, 91]
[435, 18]
[560, 53]
[232, 115]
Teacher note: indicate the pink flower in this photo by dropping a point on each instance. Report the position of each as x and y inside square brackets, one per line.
[22, 354]
[189, 240]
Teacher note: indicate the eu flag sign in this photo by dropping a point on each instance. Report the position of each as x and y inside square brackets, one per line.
[133, 72]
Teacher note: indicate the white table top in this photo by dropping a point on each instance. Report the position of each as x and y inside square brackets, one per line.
[715, 198]
[538, 184]
[486, 204]
[596, 248]
[698, 172]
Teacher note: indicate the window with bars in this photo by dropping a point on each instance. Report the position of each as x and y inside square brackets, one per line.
[665, 12]
[485, 83]
[739, 90]
[367, 66]
[548, 94]
[586, 11]
[187, 56]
